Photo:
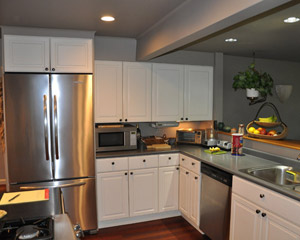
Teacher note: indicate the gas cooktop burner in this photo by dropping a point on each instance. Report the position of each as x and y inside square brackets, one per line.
[37, 229]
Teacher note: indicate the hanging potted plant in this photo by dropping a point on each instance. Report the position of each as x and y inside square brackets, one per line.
[254, 82]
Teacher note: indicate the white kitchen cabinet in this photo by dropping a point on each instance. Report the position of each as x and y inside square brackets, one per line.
[137, 91]
[47, 54]
[108, 91]
[73, 55]
[260, 213]
[143, 191]
[167, 92]
[198, 93]
[112, 195]
[184, 191]
[168, 188]
[26, 54]
[195, 198]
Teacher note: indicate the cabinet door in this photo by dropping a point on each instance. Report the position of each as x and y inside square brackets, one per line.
[195, 198]
[167, 92]
[137, 91]
[276, 228]
[26, 54]
[168, 188]
[143, 191]
[108, 91]
[71, 55]
[245, 222]
[112, 195]
[184, 191]
[198, 93]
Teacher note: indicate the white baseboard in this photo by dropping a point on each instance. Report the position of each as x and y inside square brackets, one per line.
[2, 181]
[144, 218]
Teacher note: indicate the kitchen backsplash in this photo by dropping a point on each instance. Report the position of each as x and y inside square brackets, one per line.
[147, 130]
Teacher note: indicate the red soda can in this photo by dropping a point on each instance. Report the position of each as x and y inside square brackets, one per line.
[236, 144]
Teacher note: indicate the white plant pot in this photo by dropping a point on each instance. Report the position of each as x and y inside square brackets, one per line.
[252, 93]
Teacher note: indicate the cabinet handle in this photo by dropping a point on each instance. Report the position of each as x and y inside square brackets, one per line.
[257, 211]
[262, 195]
[53, 69]
[131, 173]
[263, 214]
[181, 118]
[193, 163]
[170, 158]
[144, 160]
[196, 178]
[120, 120]
[113, 163]
[182, 159]
[177, 168]
[46, 69]
[186, 172]
[126, 173]
[125, 119]
[186, 118]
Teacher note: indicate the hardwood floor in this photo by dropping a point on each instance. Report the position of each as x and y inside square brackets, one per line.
[167, 229]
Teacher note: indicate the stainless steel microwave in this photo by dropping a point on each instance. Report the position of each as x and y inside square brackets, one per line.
[115, 138]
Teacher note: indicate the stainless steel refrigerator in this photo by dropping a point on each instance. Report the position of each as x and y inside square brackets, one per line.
[49, 133]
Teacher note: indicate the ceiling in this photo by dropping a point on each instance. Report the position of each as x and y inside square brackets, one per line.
[133, 17]
[269, 37]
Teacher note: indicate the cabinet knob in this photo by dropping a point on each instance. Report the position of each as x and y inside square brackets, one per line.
[126, 173]
[46, 69]
[181, 118]
[186, 118]
[131, 173]
[186, 172]
[261, 195]
[177, 168]
[193, 163]
[182, 159]
[125, 119]
[257, 211]
[170, 158]
[113, 163]
[196, 178]
[53, 69]
[144, 160]
[263, 214]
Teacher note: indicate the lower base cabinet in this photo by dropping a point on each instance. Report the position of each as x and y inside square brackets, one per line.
[143, 191]
[112, 200]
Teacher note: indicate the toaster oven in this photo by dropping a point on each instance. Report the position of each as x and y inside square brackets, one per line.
[190, 136]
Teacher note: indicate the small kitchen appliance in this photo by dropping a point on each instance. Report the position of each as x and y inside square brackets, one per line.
[224, 144]
[116, 137]
[190, 136]
[210, 139]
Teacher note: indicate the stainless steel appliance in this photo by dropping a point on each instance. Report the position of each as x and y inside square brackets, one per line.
[190, 136]
[215, 202]
[224, 144]
[210, 139]
[116, 137]
[49, 133]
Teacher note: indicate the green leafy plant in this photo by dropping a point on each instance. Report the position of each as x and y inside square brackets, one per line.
[251, 78]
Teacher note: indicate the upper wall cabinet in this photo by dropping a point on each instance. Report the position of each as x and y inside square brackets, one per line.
[167, 92]
[182, 92]
[48, 54]
[122, 91]
[198, 93]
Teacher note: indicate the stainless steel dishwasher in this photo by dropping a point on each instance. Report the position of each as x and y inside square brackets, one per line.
[215, 202]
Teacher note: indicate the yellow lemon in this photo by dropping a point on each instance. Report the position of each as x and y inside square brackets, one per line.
[251, 130]
[256, 132]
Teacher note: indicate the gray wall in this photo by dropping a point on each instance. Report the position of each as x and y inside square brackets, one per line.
[236, 106]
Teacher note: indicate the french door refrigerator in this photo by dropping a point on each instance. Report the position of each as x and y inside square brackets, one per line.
[49, 132]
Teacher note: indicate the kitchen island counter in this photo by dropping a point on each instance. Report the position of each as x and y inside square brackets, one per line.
[226, 162]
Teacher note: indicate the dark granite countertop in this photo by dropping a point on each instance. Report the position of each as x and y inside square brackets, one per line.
[226, 162]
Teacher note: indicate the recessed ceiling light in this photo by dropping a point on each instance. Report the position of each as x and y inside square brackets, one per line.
[107, 18]
[230, 40]
[291, 20]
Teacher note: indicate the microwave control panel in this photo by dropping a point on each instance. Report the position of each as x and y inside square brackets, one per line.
[132, 138]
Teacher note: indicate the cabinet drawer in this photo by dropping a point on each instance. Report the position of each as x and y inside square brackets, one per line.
[111, 164]
[143, 162]
[267, 199]
[166, 160]
[190, 164]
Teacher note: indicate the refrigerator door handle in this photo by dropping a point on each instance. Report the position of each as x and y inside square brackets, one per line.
[46, 128]
[56, 127]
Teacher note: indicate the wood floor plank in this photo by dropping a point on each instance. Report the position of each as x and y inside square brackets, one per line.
[164, 229]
